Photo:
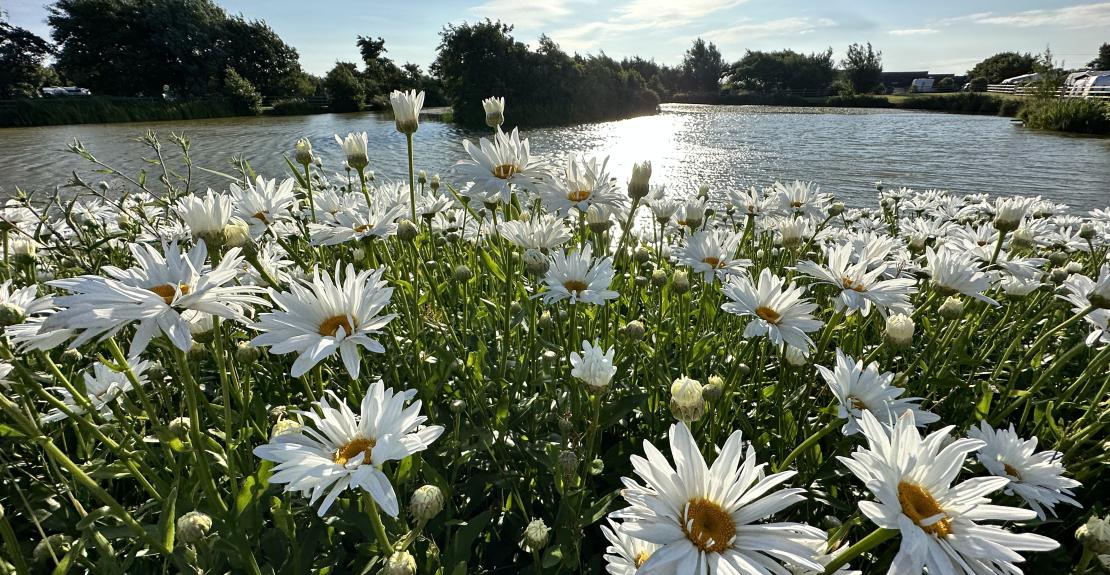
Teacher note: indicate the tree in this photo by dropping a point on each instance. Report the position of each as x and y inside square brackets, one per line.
[782, 70]
[1102, 62]
[344, 87]
[22, 54]
[703, 67]
[862, 68]
[244, 97]
[1002, 66]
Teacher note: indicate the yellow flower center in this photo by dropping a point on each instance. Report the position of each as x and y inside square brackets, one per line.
[714, 262]
[767, 314]
[506, 171]
[576, 286]
[167, 291]
[641, 558]
[579, 195]
[331, 326]
[796, 204]
[857, 403]
[853, 285]
[1011, 471]
[354, 447]
[708, 526]
[918, 504]
[261, 217]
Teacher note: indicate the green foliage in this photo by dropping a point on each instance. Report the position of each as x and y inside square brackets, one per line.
[862, 68]
[858, 101]
[702, 67]
[979, 84]
[965, 103]
[105, 109]
[1078, 115]
[347, 92]
[144, 47]
[1002, 66]
[1102, 62]
[946, 84]
[784, 69]
[22, 54]
[545, 86]
[242, 94]
[296, 107]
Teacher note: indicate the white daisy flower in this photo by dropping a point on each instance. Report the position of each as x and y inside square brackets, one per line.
[911, 477]
[583, 182]
[498, 166]
[103, 385]
[861, 287]
[17, 304]
[577, 276]
[358, 222]
[355, 149]
[264, 203]
[154, 294]
[406, 109]
[342, 449]
[625, 554]
[495, 111]
[542, 232]
[1077, 289]
[1036, 477]
[777, 310]
[6, 371]
[858, 389]
[205, 215]
[712, 252]
[705, 518]
[955, 272]
[333, 313]
[594, 366]
[801, 199]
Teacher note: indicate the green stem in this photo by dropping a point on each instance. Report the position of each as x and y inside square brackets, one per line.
[876, 537]
[376, 522]
[412, 179]
[810, 442]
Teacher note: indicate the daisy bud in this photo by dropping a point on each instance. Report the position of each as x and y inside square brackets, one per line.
[598, 218]
[427, 502]
[794, 356]
[179, 427]
[23, 251]
[59, 543]
[917, 243]
[193, 527]
[1095, 535]
[1022, 238]
[247, 353]
[10, 314]
[713, 388]
[495, 111]
[703, 191]
[597, 466]
[681, 282]
[422, 177]
[104, 186]
[463, 273]
[515, 308]
[952, 308]
[536, 536]
[899, 331]
[406, 230]
[435, 183]
[642, 255]
[634, 330]
[638, 185]
[1058, 258]
[640, 281]
[879, 185]
[568, 463]
[545, 321]
[457, 406]
[406, 110]
[303, 152]
[1087, 231]
[283, 427]
[1073, 267]
[658, 278]
[1058, 275]
[236, 233]
[744, 369]
[400, 563]
[836, 209]
[71, 355]
[536, 262]
[1010, 213]
[687, 402]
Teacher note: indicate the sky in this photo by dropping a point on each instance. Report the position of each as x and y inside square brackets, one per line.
[939, 36]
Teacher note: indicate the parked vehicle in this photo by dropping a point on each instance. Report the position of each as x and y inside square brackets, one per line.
[65, 91]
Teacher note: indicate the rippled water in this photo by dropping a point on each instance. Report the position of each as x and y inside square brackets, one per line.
[845, 151]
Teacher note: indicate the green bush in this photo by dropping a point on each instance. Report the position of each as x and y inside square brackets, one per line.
[296, 107]
[745, 99]
[242, 94]
[858, 101]
[1078, 115]
[964, 103]
[105, 109]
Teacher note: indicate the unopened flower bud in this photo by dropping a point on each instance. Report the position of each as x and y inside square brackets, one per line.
[434, 183]
[1087, 231]
[427, 502]
[713, 388]
[952, 308]
[536, 262]
[422, 177]
[597, 466]
[193, 527]
[899, 331]
[634, 330]
[1058, 275]
[641, 176]
[457, 406]
[59, 543]
[179, 427]
[1022, 238]
[283, 427]
[640, 281]
[495, 111]
[641, 255]
[836, 209]
[536, 536]
[794, 356]
[400, 563]
[687, 402]
[11, 314]
[463, 273]
[680, 283]
[406, 230]
[1095, 535]
[236, 233]
[303, 152]
[568, 463]
[1058, 258]
[545, 321]
[247, 353]
[658, 278]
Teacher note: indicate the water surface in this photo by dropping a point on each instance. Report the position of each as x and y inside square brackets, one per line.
[845, 151]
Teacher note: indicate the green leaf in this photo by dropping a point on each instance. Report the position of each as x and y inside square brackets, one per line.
[492, 265]
[253, 487]
[167, 523]
[9, 431]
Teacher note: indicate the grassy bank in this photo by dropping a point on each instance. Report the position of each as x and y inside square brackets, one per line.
[1080, 116]
[958, 103]
[104, 109]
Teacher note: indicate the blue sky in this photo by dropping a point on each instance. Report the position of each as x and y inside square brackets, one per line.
[939, 36]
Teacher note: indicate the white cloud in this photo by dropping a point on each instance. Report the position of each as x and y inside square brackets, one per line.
[670, 13]
[748, 29]
[913, 32]
[523, 13]
[1078, 16]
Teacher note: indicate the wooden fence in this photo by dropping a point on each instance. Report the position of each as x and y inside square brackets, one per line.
[1100, 92]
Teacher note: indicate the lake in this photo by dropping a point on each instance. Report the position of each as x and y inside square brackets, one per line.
[843, 150]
